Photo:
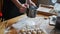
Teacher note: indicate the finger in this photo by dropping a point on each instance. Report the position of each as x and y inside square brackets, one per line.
[23, 6]
[22, 10]
[26, 5]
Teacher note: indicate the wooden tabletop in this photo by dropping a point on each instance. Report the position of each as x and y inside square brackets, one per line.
[13, 20]
[49, 28]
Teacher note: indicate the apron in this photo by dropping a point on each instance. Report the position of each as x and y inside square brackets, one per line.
[10, 10]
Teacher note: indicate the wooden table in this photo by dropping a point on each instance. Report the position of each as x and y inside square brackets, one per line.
[14, 20]
[49, 28]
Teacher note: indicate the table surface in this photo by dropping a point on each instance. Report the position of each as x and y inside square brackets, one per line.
[49, 29]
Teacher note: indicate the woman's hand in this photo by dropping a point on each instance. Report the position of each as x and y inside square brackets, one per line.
[23, 8]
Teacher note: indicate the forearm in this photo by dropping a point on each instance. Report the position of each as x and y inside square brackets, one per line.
[32, 3]
[17, 3]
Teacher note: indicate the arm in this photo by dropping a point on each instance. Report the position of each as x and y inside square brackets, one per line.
[20, 6]
[32, 3]
[17, 3]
